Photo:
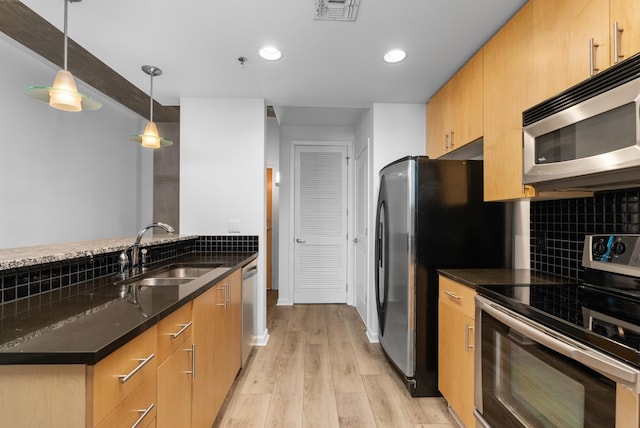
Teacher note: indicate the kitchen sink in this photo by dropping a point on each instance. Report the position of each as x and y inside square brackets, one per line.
[184, 271]
[174, 275]
[152, 282]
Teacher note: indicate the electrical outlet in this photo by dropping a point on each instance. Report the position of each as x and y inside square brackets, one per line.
[541, 242]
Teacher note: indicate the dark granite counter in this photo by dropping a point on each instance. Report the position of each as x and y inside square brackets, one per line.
[84, 323]
[481, 277]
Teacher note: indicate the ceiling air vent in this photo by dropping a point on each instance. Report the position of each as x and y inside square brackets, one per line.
[336, 10]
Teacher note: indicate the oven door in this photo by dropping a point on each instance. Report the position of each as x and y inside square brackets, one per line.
[530, 376]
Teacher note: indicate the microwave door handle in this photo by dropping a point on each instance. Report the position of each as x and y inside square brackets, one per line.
[608, 367]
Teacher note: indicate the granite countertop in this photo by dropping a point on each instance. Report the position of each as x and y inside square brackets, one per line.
[28, 256]
[481, 277]
[84, 323]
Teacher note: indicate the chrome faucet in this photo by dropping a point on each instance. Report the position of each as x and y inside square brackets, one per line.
[133, 264]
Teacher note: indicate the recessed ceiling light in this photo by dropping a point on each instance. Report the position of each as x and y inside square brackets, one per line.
[270, 53]
[395, 55]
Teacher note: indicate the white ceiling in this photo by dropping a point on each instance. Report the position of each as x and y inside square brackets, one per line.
[325, 64]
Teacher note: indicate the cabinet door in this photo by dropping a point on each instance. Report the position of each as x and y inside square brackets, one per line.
[119, 374]
[561, 31]
[508, 65]
[456, 347]
[438, 123]
[206, 399]
[174, 388]
[627, 15]
[234, 332]
[466, 96]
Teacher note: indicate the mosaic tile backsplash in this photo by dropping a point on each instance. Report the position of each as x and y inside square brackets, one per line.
[558, 228]
[29, 281]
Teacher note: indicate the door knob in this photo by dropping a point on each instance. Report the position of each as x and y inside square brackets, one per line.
[356, 240]
[300, 241]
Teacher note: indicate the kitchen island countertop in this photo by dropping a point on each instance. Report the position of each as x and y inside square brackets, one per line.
[84, 323]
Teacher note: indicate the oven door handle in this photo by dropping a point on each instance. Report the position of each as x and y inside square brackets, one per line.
[595, 360]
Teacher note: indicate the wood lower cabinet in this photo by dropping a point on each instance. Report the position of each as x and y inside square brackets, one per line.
[175, 368]
[456, 347]
[116, 377]
[149, 381]
[218, 339]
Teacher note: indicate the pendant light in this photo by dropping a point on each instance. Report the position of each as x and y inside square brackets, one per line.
[64, 95]
[150, 137]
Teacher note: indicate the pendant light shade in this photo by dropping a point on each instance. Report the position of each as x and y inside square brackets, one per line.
[64, 95]
[150, 137]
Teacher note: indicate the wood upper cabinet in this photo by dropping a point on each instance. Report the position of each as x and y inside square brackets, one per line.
[466, 95]
[508, 66]
[454, 113]
[456, 347]
[438, 123]
[625, 16]
[561, 33]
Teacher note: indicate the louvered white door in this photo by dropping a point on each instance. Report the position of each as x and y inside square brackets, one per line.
[320, 229]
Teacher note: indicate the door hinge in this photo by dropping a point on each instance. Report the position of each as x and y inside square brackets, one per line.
[348, 160]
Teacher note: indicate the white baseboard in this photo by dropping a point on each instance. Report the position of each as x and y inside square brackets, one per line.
[284, 302]
[373, 337]
[262, 339]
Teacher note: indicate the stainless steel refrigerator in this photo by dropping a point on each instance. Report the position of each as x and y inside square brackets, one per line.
[430, 215]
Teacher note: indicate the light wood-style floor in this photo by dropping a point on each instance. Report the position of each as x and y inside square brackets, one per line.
[319, 370]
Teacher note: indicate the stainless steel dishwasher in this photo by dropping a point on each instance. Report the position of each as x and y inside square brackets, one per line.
[249, 282]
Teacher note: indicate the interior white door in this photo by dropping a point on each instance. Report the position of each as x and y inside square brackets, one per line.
[361, 242]
[320, 229]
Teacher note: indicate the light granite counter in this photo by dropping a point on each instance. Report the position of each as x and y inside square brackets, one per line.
[29, 256]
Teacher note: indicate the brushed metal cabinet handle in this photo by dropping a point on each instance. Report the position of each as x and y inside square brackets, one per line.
[144, 413]
[143, 362]
[452, 295]
[192, 372]
[182, 330]
[617, 34]
[592, 62]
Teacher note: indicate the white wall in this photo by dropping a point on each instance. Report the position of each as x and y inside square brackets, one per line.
[222, 175]
[288, 134]
[398, 130]
[66, 176]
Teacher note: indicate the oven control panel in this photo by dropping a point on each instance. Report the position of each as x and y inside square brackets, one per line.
[613, 253]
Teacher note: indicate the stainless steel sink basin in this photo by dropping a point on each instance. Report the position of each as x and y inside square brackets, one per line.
[174, 275]
[184, 272]
[152, 282]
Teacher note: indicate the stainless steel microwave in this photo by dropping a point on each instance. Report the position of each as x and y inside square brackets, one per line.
[587, 137]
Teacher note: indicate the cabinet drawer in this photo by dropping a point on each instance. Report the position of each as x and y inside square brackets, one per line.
[135, 360]
[173, 330]
[457, 294]
[139, 406]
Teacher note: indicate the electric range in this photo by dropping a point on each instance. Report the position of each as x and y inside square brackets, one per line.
[603, 311]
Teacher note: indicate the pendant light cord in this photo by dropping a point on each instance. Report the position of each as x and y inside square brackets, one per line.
[66, 4]
[151, 99]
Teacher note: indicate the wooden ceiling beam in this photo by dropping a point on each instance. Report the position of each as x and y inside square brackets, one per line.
[33, 32]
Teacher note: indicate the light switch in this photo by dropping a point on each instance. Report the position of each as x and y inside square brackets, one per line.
[233, 226]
